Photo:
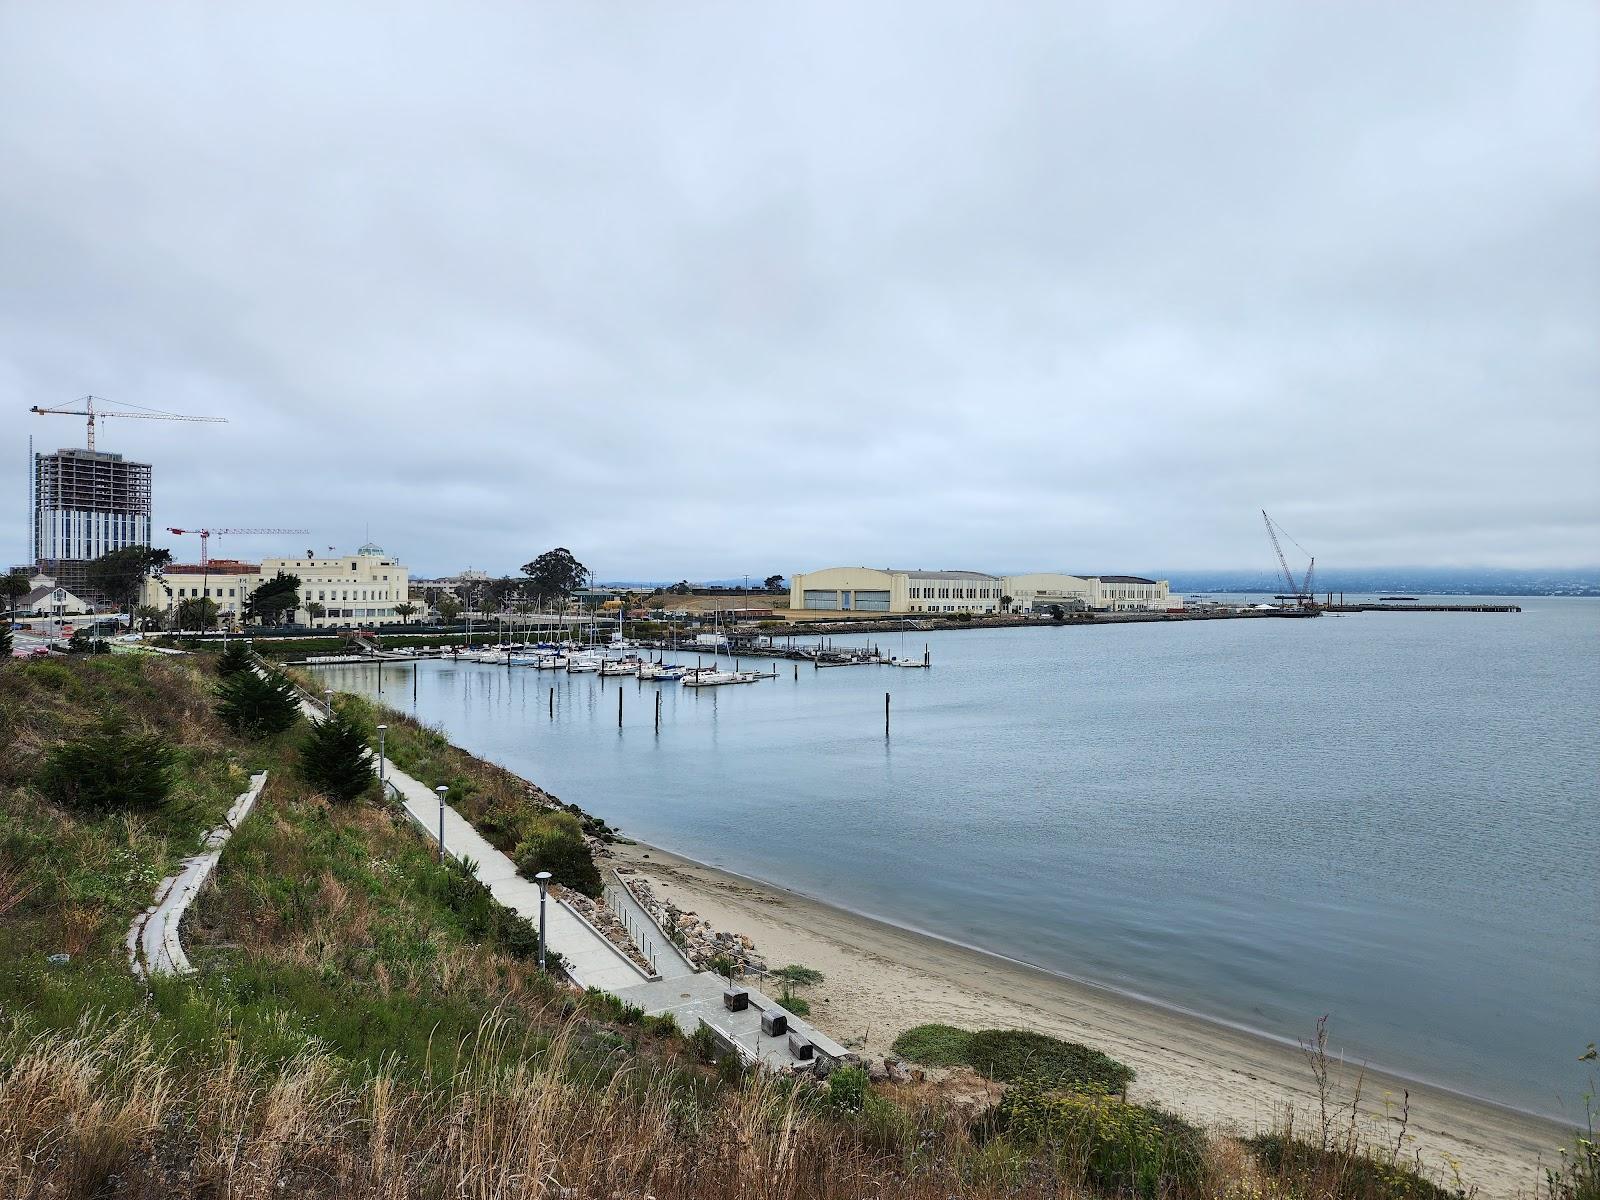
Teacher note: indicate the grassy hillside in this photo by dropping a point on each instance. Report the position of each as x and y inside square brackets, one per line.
[366, 1023]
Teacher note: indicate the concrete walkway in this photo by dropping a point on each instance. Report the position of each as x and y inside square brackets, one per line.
[691, 996]
[592, 961]
[652, 940]
[152, 941]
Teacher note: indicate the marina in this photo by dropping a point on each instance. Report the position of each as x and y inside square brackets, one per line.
[1233, 818]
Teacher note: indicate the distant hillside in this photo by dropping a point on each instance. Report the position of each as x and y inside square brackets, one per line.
[1409, 581]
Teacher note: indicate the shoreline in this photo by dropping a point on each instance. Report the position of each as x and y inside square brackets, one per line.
[883, 978]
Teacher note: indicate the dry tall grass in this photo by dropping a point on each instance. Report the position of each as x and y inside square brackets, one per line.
[103, 1111]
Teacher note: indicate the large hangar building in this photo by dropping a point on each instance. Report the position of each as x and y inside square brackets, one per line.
[885, 590]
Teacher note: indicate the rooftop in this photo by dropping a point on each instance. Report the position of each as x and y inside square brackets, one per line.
[948, 575]
[217, 566]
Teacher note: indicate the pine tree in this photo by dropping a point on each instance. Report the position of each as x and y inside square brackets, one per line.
[255, 706]
[5, 639]
[235, 658]
[336, 760]
[109, 769]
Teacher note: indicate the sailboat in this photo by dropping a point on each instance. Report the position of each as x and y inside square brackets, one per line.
[900, 660]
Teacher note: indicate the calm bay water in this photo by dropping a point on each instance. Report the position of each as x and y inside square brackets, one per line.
[1388, 818]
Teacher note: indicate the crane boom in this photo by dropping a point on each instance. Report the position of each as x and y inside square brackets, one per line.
[89, 410]
[1283, 563]
[206, 535]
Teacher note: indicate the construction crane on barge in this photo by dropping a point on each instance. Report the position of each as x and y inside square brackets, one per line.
[1299, 592]
[94, 414]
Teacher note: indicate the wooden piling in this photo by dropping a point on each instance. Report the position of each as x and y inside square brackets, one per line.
[658, 712]
[619, 706]
[886, 714]
[552, 703]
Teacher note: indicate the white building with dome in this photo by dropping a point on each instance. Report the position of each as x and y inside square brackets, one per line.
[353, 589]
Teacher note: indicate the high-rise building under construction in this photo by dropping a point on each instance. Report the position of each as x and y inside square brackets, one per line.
[86, 503]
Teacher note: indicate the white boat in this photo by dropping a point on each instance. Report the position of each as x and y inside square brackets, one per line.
[621, 666]
[911, 663]
[661, 672]
[582, 662]
[551, 662]
[719, 678]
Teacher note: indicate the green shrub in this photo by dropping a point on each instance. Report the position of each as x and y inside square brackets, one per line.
[934, 1045]
[235, 657]
[662, 1026]
[110, 769]
[847, 1089]
[1112, 1145]
[1306, 1169]
[5, 640]
[553, 841]
[704, 1043]
[1012, 1054]
[798, 1005]
[334, 759]
[257, 706]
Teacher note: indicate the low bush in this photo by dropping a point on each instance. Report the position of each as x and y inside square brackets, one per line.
[1304, 1169]
[847, 1090]
[111, 769]
[1111, 1145]
[334, 759]
[1011, 1055]
[934, 1045]
[553, 841]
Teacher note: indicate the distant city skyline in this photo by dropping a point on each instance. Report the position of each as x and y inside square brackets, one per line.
[686, 289]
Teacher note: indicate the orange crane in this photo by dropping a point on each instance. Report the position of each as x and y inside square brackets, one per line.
[205, 537]
[144, 414]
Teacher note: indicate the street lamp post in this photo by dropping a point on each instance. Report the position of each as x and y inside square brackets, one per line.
[381, 730]
[328, 693]
[544, 883]
[441, 789]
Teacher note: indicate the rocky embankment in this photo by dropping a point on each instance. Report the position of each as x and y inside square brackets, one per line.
[693, 934]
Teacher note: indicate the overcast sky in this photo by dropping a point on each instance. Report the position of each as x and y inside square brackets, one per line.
[699, 290]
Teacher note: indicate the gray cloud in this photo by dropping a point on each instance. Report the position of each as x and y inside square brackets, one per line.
[706, 289]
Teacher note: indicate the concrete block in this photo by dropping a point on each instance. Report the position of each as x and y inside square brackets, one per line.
[774, 1022]
[735, 999]
[800, 1047]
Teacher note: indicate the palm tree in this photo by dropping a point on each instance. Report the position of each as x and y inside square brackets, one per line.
[1005, 603]
[146, 615]
[404, 610]
[315, 609]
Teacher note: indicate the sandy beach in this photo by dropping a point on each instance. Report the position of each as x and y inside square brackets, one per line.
[881, 980]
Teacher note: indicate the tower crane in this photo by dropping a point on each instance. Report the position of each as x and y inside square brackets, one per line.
[89, 410]
[1299, 592]
[206, 535]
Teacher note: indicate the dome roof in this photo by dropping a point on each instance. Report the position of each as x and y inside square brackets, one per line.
[371, 550]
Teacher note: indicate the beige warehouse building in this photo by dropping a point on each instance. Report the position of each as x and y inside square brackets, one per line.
[884, 590]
